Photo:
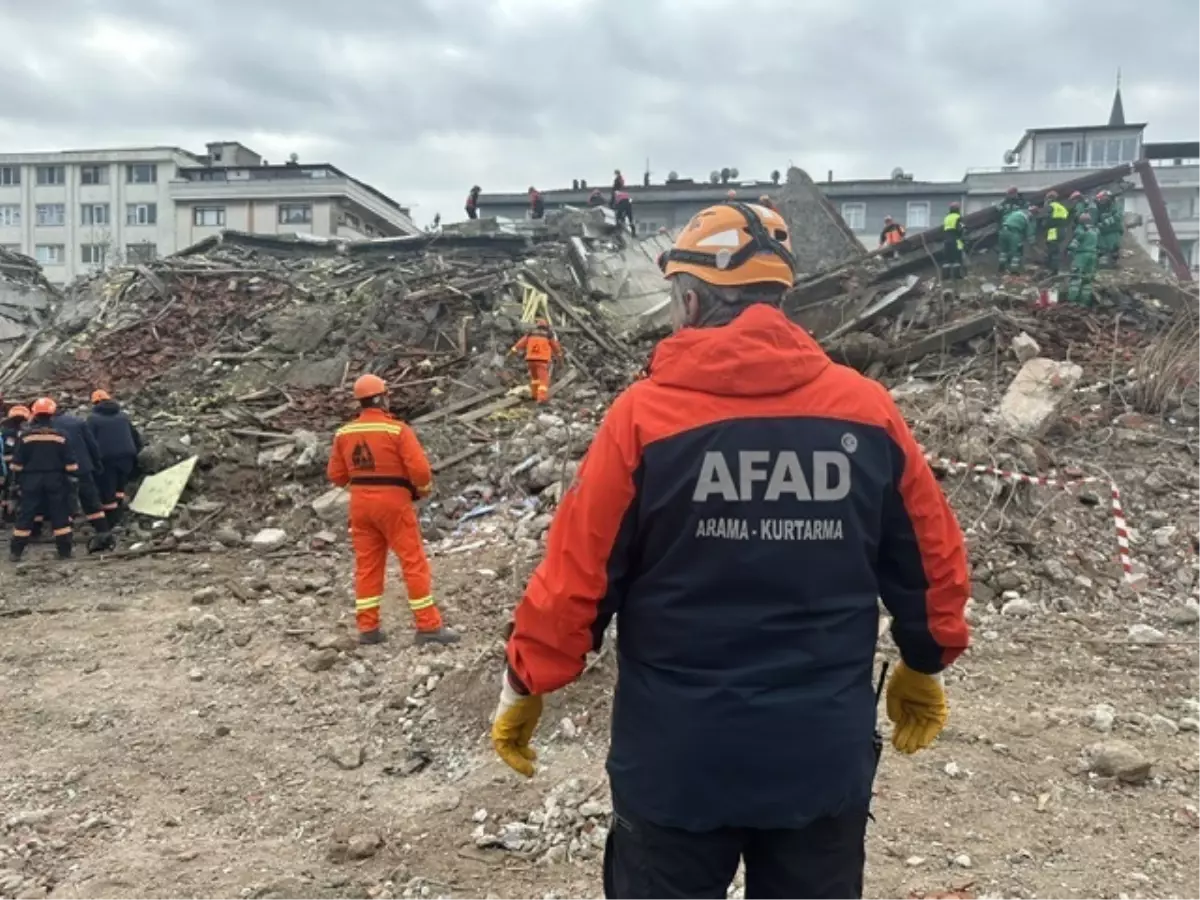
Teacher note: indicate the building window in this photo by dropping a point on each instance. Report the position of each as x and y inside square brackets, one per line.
[141, 173]
[1061, 155]
[93, 254]
[50, 214]
[94, 214]
[855, 215]
[295, 213]
[141, 214]
[141, 253]
[93, 175]
[917, 216]
[10, 176]
[51, 175]
[49, 254]
[208, 215]
[10, 215]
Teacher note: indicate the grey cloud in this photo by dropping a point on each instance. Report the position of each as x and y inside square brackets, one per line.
[425, 98]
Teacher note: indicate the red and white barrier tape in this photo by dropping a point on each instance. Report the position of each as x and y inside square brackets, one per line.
[1065, 484]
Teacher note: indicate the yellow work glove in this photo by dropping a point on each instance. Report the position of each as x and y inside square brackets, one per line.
[916, 704]
[513, 726]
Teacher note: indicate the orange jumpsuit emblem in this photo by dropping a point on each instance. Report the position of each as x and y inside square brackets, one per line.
[381, 461]
[539, 349]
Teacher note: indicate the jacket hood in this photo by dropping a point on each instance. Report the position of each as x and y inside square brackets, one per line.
[107, 407]
[760, 353]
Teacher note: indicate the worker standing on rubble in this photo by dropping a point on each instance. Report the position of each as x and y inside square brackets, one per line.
[617, 186]
[473, 202]
[120, 444]
[82, 443]
[1015, 229]
[953, 247]
[1057, 218]
[1012, 200]
[766, 201]
[1080, 204]
[1110, 223]
[381, 461]
[741, 511]
[10, 432]
[893, 233]
[1082, 250]
[44, 465]
[537, 206]
[540, 348]
[623, 206]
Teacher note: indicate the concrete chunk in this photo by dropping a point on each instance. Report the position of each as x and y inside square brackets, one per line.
[332, 505]
[1024, 347]
[1034, 396]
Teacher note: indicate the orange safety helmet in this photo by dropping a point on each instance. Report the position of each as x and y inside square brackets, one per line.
[733, 244]
[99, 395]
[368, 386]
[541, 323]
[44, 406]
[20, 412]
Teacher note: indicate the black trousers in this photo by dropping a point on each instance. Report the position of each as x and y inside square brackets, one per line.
[624, 210]
[823, 859]
[90, 502]
[48, 496]
[114, 478]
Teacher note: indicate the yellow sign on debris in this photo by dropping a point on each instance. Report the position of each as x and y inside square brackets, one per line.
[160, 493]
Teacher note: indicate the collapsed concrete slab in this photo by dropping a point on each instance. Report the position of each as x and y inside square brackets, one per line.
[1029, 404]
[820, 238]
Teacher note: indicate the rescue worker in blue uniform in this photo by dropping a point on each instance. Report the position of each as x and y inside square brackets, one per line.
[741, 510]
[87, 454]
[10, 431]
[119, 444]
[44, 465]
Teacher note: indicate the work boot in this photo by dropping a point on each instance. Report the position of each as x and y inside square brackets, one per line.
[102, 541]
[14, 556]
[442, 636]
[372, 637]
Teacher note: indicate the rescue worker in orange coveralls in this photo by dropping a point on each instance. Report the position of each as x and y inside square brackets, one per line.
[381, 461]
[540, 347]
[742, 511]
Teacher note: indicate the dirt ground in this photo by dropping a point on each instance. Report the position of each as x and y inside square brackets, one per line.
[157, 741]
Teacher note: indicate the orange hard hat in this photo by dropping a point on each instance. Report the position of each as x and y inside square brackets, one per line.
[733, 244]
[100, 394]
[368, 386]
[44, 406]
[541, 323]
[20, 412]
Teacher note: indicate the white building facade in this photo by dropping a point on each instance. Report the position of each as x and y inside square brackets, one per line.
[77, 211]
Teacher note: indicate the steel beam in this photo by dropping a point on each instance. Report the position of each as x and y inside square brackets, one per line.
[1166, 231]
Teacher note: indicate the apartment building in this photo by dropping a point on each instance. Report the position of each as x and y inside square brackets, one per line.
[79, 210]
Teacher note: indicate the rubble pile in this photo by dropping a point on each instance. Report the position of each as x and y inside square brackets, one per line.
[27, 300]
[241, 351]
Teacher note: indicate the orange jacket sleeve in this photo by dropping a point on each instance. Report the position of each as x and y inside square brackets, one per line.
[922, 567]
[578, 585]
[337, 471]
[415, 461]
[520, 344]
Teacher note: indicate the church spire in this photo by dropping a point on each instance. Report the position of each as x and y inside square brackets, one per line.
[1117, 116]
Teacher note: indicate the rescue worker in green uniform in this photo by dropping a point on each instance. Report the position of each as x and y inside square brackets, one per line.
[953, 247]
[1015, 230]
[1110, 223]
[1012, 200]
[1057, 218]
[1082, 250]
[1081, 204]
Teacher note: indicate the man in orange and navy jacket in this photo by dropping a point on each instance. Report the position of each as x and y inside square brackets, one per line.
[43, 465]
[539, 349]
[741, 511]
[381, 461]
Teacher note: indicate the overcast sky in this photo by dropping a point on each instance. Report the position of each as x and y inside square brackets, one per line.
[422, 98]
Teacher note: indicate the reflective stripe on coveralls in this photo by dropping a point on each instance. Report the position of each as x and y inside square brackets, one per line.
[382, 463]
